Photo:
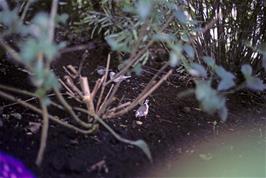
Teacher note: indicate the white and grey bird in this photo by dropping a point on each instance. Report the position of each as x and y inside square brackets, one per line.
[143, 109]
[118, 79]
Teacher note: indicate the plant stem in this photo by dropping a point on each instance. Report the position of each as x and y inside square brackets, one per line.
[52, 20]
[44, 133]
[52, 118]
[25, 10]
[69, 109]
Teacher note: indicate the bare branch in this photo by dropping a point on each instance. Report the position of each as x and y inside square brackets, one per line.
[44, 133]
[52, 20]
[104, 82]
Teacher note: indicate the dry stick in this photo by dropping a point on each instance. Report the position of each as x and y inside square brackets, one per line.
[151, 83]
[52, 20]
[109, 100]
[148, 87]
[53, 118]
[98, 84]
[104, 82]
[157, 84]
[72, 69]
[83, 58]
[143, 96]
[15, 90]
[119, 107]
[69, 109]
[73, 75]
[44, 133]
[10, 50]
[87, 97]
[106, 126]
[68, 89]
[27, 100]
[72, 86]
[25, 10]
[106, 97]
[12, 89]
[75, 48]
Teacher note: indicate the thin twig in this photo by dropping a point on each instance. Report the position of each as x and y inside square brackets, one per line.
[16, 90]
[27, 100]
[141, 97]
[70, 92]
[97, 85]
[107, 127]
[104, 82]
[109, 100]
[87, 96]
[121, 106]
[70, 110]
[52, 118]
[72, 86]
[75, 48]
[106, 97]
[14, 54]
[25, 10]
[44, 133]
[52, 20]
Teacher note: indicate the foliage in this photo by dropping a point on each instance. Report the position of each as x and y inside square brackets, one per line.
[204, 37]
[35, 48]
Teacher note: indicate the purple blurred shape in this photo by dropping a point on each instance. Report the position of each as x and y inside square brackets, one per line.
[12, 168]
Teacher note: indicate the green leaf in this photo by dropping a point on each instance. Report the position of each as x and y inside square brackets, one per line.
[144, 8]
[163, 37]
[209, 61]
[225, 84]
[116, 44]
[46, 101]
[41, 20]
[174, 60]
[29, 50]
[144, 147]
[198, 70]
[189, 50]
[246, 70]
[62, 18]
[138, 69]
[209, 99]
[227, 78]
[180, 15]
[223, 113]
[177, 48]
[255, 84]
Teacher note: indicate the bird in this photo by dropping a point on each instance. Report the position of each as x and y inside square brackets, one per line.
[143, 110]
[118, 79]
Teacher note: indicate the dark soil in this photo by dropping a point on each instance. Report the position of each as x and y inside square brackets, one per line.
[173, 128]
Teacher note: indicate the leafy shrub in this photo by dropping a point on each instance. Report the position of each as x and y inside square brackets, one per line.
[202, 37]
